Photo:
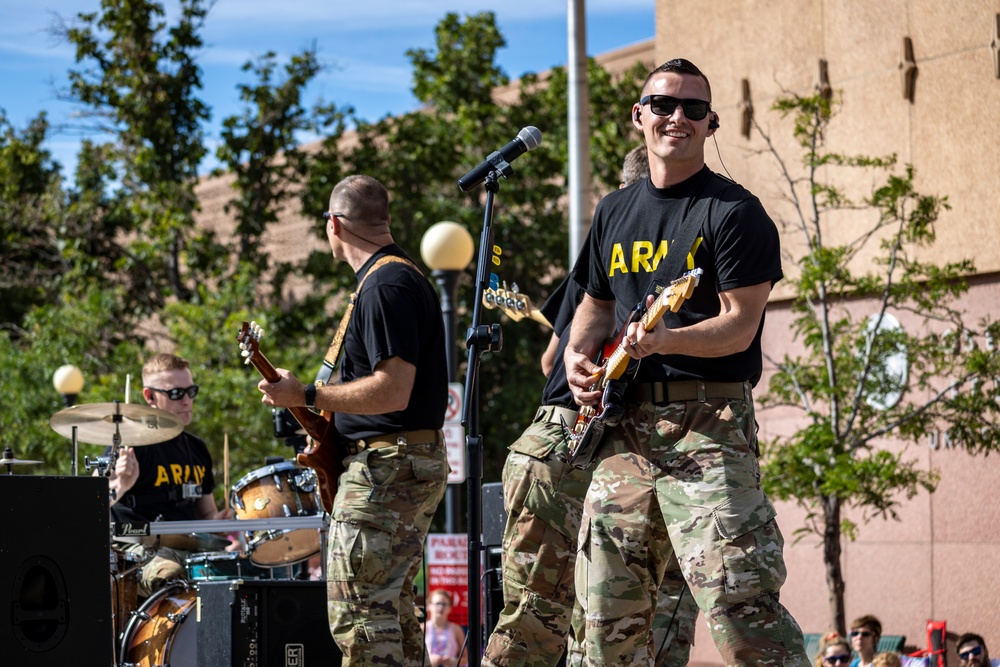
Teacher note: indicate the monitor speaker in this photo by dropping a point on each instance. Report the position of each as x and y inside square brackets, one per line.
[264, 622]
[494, 515]
[56, 558]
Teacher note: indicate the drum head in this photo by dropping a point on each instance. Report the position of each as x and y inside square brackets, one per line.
[163, 631]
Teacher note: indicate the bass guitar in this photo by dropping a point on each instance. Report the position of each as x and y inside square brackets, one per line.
[514, 304]
[324, 454]
[618, 369]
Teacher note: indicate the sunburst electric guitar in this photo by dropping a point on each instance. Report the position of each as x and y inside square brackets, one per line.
[618, 369]
[324, 454]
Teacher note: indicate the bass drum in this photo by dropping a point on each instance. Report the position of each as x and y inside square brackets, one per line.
[163, 631]
[275, 491]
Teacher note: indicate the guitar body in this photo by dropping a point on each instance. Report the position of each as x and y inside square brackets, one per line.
[325, 455]
[618, 369]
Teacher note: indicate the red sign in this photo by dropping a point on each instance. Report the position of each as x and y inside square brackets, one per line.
[447, 561]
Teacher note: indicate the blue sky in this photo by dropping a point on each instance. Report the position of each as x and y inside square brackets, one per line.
[362, 43]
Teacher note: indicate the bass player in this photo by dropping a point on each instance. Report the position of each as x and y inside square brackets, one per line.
[388, 409]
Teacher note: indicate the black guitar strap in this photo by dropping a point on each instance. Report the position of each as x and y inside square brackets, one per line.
[682, 245]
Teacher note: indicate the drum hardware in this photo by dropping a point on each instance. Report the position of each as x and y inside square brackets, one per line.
[157, 633]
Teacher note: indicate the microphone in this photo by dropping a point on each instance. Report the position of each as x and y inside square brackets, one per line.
[527, 139]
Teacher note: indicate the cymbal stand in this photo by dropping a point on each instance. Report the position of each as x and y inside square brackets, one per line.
[76, 451]
[8, 455]
[105, 464]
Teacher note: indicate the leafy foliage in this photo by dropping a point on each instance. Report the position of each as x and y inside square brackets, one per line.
[860, 381]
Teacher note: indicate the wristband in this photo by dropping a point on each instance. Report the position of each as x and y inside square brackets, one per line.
[310, 395]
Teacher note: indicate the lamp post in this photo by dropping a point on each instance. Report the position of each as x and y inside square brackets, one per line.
[68, 381]
[447, 248]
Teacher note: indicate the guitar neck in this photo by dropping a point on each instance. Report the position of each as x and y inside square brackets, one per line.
[314, 424]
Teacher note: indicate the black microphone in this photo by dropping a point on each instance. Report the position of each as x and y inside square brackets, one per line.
[527, 139]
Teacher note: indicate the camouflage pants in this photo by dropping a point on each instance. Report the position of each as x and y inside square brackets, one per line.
[382, 512]
[544, 499]
[680, 482]
[165, 566]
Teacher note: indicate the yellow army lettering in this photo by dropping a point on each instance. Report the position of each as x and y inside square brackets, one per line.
[643, 257]
[179, 475]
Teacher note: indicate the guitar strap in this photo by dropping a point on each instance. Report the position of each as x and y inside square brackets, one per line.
[687, 235]
[333, 353]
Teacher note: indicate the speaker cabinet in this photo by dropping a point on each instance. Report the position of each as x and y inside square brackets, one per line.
[264, 623]
[494, 515]
[56, 558]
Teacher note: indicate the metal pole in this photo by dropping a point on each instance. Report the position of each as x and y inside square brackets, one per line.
[447, 282]
[579, 126]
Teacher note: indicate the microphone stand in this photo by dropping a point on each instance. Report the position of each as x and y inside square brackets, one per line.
[479, 338]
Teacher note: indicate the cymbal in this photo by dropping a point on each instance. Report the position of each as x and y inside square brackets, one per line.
[18, 462]
[138, 425]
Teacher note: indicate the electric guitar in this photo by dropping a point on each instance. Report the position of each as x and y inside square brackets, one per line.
[514, 304]
[618, 369]
[324, 454]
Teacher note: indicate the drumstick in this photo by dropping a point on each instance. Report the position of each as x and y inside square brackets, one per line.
[225, 467]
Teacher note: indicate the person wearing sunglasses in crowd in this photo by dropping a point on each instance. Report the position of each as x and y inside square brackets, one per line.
[865, 633]
[834, 651]
[677, 476]
[168, 481]
[972, 651]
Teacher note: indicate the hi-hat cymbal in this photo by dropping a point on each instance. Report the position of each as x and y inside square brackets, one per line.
[18, 462]
[96, 423]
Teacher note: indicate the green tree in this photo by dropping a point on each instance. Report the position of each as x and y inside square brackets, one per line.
[136, 83]
[846, 379]
[31, 207]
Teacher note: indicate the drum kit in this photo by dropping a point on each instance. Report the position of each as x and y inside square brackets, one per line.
[277, 514]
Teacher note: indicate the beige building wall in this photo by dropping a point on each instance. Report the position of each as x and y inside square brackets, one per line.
[942, 559]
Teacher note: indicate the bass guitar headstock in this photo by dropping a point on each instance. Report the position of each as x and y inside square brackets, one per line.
[514, 304]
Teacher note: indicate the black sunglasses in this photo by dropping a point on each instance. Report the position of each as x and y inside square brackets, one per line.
[861, 633]
[177, 393]
[975, 650]
[834, 659]
[664, 105]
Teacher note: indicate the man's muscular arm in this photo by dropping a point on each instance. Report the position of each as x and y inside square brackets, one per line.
[731, 331]
[593, 322]
[388, 389]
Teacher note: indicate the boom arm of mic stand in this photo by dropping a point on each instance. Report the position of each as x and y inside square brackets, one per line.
[478, 339]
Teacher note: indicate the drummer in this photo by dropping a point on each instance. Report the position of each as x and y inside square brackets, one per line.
[168, 481]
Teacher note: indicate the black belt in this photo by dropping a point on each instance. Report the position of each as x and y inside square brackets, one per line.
[688, 390]
[553, 414]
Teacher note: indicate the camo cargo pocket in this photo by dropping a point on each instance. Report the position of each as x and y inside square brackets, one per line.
[750, 545]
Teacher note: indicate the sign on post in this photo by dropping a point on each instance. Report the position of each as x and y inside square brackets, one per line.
[454, 433]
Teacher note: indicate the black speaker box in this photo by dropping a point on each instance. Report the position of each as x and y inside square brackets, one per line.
[494, 515]
[264, 624]
[56, 558]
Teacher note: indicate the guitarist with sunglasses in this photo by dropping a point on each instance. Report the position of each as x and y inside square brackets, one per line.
[676, 467]
[388, 409]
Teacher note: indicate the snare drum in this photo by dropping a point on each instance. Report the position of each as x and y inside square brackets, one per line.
[163, 631]
[274, 491]
[223, 566]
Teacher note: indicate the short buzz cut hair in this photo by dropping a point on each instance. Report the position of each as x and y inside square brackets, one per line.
[636, 165]
[363, 200]
[679, 66]
[158, 363]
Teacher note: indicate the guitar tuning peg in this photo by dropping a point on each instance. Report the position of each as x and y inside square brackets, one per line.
[245, 352]
[514, 288]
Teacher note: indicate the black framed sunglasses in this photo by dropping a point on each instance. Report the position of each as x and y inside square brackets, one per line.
[975, 650]
[664, 105]
[841, 659]
[177, 393]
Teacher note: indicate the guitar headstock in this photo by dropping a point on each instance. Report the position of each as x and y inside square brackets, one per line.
[249, 340]
[514, 304]
[681, 289]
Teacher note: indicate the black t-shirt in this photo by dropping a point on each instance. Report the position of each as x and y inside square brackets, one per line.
[737, 246]
[559, 309]
[396, 314]
[163, 470]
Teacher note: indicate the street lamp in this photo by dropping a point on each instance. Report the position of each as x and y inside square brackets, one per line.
[68, 381]
[447, 248]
